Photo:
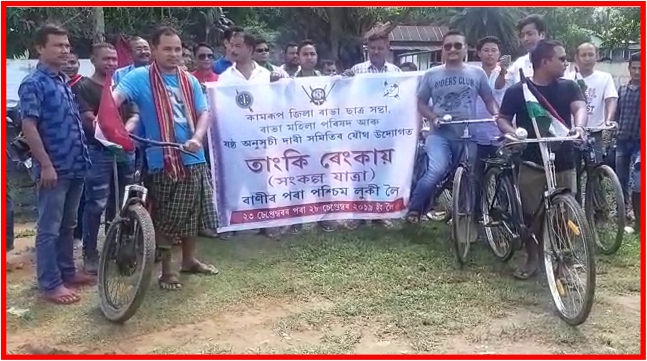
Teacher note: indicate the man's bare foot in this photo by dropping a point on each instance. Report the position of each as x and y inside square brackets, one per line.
[79, 279]
[169, 282]
[61, 295]
[197, 267]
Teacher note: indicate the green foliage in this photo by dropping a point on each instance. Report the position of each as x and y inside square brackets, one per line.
[624, 25]
[477, 23]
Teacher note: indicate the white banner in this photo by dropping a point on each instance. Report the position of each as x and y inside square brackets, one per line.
[311, 149]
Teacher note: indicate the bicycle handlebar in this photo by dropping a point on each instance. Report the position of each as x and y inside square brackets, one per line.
[158, 144]
[606, 126]
[516, 141]
[448, 119]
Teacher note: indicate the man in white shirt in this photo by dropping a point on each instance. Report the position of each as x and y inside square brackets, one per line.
[531, 29]
[245, 70]
[600, 93]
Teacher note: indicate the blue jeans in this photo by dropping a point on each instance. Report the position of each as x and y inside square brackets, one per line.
[442, 154]
[626, 150]
[10, 224]
[99, 193]
[57, 212]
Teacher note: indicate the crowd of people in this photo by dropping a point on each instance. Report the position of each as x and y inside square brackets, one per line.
[161, 97]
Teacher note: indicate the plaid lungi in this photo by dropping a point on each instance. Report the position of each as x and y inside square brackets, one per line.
[182, 208]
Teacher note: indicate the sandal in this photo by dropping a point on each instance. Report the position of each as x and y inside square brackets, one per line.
[169, 282]
[413, 218]
[523, 274]
[199, 268]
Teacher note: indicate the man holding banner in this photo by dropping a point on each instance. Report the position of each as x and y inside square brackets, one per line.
[173, 108]
[551, 101]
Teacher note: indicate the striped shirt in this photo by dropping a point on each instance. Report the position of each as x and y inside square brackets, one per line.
[368, 67]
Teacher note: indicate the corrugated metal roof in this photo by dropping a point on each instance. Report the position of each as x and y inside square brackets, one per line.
[427, 33]
[415, 47]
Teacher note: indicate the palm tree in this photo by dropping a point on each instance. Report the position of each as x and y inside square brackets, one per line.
[477, 23]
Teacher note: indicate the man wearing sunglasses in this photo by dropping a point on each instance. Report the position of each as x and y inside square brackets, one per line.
[262, 57]
[565, 97]
[204, 63]
[141, 54]
[454, 89]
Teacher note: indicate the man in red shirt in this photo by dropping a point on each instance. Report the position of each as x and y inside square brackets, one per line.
[204, 58]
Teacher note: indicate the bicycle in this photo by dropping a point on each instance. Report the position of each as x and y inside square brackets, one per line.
[501, 208]
[130, 245]
[464, 232]
[557, 254]
[599, 212]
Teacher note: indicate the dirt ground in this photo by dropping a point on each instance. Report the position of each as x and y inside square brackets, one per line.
[370, 291]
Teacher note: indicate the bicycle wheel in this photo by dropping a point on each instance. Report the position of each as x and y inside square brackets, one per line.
[499, 204]
[463, 229]
[130, 247]
[608, 219]
[565, 222]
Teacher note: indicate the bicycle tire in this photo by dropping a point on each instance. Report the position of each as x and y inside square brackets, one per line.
[588, 242]
[461, 246]
[589, 206]
[146, 235]
[505, 183]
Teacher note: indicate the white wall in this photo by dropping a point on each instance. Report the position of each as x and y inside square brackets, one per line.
[17, 70]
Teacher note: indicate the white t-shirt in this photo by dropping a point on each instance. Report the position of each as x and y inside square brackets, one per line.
[513, 72]
[232, 75]
[599, 88]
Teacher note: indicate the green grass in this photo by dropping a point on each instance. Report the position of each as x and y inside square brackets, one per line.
[372, 290]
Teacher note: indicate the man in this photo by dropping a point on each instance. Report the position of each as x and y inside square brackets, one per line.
[227, 60]
[564, 96]
[204, 60]
[187, 57]
[635, 195]
[246, 71]
[628, 116]
[441, 85]
[600, 95]
[488, 52]
[173, 108]
[328, 67]
[291, 57]
[378, 48]
[71, 68]
[532, 29]
[262, 55]
[52, 127]
[308, 59]
[141, 54]
[99, 184]
[408, 66]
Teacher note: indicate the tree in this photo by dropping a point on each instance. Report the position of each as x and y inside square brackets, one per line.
[477, 23]
[624, 26]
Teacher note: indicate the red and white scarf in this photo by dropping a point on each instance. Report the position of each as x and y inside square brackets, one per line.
[173, 164]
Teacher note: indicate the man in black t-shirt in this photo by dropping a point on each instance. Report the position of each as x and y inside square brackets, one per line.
[548, 61]
[99, 181]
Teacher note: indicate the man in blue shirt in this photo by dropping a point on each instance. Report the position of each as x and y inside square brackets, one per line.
[52, 127]
[141, 53]
[222, 64]
[173, 108]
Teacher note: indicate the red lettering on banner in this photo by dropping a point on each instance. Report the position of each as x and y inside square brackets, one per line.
[313, 209]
